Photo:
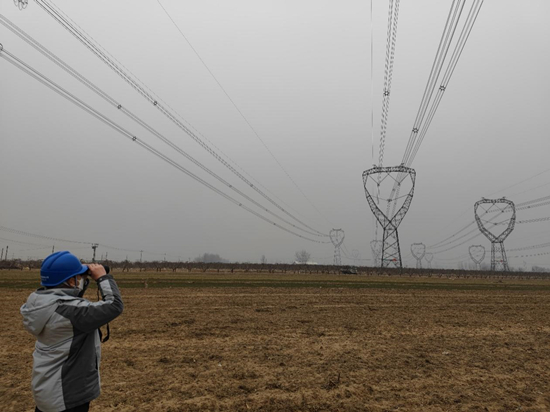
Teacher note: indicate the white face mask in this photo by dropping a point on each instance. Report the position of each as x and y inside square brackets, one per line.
[81, 284]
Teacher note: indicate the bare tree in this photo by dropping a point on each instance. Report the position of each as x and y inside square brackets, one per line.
[302, 256]
[210, 258]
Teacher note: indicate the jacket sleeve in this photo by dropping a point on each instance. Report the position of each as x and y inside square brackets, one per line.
[92, 315]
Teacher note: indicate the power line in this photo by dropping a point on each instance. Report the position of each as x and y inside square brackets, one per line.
[420, 127]
[520, 206]
[529, 204]
[475, 229]
[79, 103]
[460, 244]
[530, 255]
[539, 246]
[393, 15]
[34, 235]
[442, 244]
[461, 257]
[473, 222]
[444, 44]
[538, 219]
[520, 182]
[528, 190]
[22, 233]
[463, 38]
[148, 96]
[24, 243]
[24, 36]
[466, 234]
[238, 110]
[176, 112]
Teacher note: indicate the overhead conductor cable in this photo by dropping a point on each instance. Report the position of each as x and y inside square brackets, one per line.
[420, 127]
[99, 53]
[4, 21]
[9, 57]
[239, 110]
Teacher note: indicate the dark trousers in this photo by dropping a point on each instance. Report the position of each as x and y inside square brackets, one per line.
[81, 408]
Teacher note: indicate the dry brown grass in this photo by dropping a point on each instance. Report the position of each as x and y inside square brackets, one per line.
[311, 348]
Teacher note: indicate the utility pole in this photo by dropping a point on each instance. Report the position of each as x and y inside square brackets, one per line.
[2, 255]
[6, 256]
[94, 247]
[53, 249]
[140, 256]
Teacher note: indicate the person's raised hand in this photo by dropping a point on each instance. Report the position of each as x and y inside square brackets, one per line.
[96, 271]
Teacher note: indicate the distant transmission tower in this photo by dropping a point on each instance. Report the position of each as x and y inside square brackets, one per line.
[22, 4]
[391, 253]
[376, 247]
[418, 250]
[500, 206]
[337, 238]
[477, 253]
[429, 257]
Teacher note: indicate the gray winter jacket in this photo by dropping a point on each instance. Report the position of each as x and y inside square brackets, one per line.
[68, 349]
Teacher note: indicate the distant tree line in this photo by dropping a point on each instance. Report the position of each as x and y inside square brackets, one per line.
[210, 258]
[221, 267]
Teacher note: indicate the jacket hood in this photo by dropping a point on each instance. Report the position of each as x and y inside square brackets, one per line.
[40, 306]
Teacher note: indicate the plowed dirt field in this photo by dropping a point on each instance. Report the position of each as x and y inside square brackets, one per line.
[251, 342]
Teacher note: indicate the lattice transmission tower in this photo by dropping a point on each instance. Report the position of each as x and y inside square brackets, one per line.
[418, 251]
[477, 253]
[22, 4]
[337, 238]
[500, 207]
[429, 257]
[399, 176]
[376, 248]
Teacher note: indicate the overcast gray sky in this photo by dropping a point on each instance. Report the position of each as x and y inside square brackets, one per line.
[300, 72]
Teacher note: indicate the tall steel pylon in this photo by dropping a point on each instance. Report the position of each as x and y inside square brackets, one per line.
[21, 4]
[477, 253]
[429, 257]
[391, 253]
[337, 238]
[418, 251]
[500, 206]
[376, 248]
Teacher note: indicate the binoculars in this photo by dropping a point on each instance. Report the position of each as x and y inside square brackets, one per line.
[107, 269]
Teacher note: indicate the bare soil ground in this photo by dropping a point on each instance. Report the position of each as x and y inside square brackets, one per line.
[249, 342]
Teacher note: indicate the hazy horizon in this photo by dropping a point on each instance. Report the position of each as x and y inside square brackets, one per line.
[300, 73]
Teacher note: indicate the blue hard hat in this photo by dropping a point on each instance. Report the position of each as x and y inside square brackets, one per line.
[60, 266]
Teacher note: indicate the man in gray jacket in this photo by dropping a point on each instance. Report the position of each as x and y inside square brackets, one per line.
[67, 353]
